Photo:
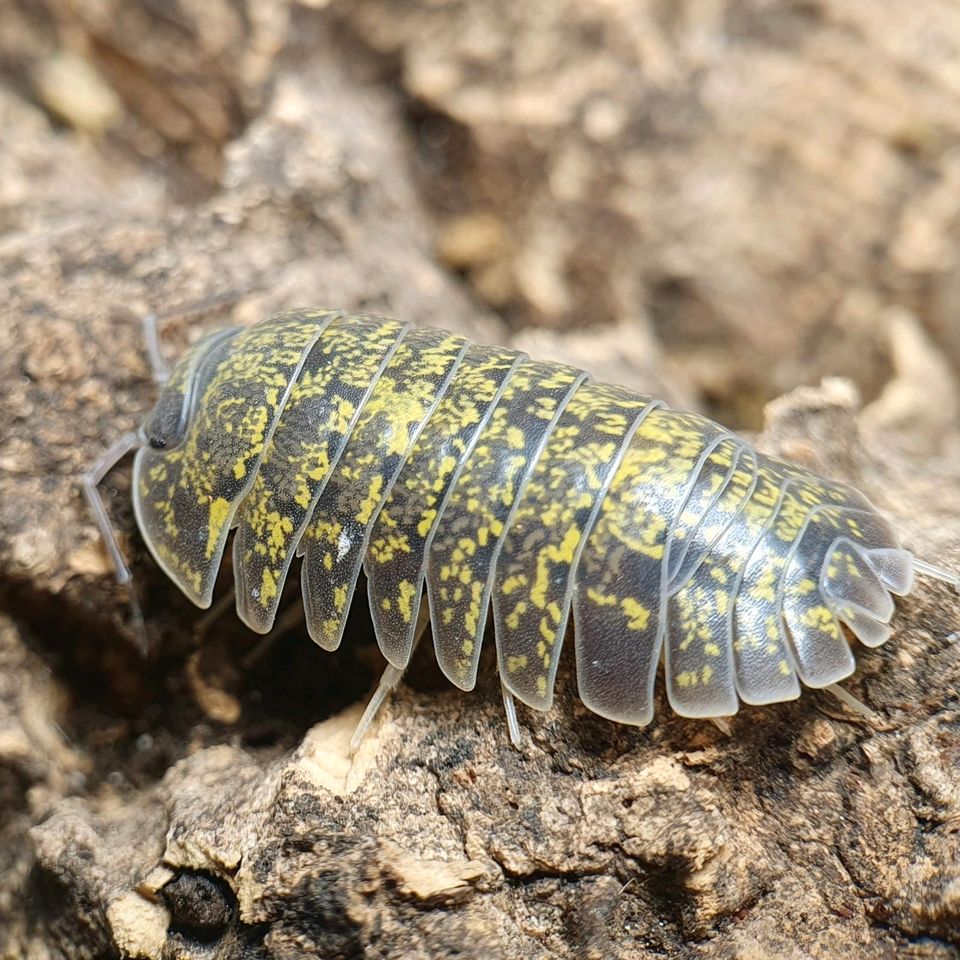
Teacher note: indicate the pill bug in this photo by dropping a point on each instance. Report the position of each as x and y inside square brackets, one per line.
[482, 478]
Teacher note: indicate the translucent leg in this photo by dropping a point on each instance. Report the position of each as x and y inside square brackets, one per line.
[722, 724]
[159, 367]
[388, 681]
[151, 341]
[513, 725]
[91, 481]
[849, 700]
[390, 678]
[937, 573]
[204, 623]
[292, 617]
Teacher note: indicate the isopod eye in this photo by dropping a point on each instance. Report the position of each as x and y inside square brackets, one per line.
[166, 424]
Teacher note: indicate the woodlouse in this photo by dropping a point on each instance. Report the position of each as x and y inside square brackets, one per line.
[490, 477]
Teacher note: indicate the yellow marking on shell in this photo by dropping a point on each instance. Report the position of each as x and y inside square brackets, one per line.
[515, 616]
[765, 588]
[514, 438]
[219, 514]
[638, 615]
[514, 583]
[820, 618]
[328, 532]
[386, 548]
[471, 619]
[426, 522]
[405, 595]
[371, 500]
[268, 586]
[516, 663]
[602, 599]
[695, 678]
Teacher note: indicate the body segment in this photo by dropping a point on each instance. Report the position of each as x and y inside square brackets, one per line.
[404, 529]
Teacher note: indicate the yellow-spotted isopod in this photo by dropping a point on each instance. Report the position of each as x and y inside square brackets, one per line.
[487, 479]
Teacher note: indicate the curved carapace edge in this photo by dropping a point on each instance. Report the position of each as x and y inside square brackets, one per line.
[486, 479]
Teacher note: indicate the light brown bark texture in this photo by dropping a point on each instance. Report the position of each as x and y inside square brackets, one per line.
[711, 201]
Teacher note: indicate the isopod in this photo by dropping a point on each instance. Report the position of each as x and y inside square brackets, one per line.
[484, 479]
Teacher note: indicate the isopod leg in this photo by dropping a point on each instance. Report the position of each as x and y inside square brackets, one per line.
[849, 700]
[510, 707]
[159, 367]
[937, 573]
[91, 489]
[211, 616]
[390, 678]
[388, 681]
[292, 617]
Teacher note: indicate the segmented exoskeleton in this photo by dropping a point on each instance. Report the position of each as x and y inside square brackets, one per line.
[492, 479]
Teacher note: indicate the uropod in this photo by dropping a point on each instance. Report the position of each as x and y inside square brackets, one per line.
[467, 480]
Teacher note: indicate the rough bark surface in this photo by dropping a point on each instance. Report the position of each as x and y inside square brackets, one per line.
[740, 197]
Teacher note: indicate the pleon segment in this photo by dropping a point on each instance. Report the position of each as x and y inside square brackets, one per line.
[848, 578]
[186, 497]
[869, 631]
[894, 566]
[534, 573]
[765, 666]
[712, 481]
[391, 419]
[708, 534]
[395, 562]
[480, 509]
[336, 380]
[621, 580]
[855, 593]
[701, 678]
[820, 651]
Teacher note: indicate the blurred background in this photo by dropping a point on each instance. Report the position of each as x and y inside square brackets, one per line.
[716, 200]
